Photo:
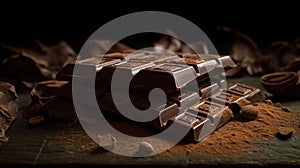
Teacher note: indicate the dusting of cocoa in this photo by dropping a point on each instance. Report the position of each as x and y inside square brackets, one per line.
[233, 138]
[240, 133]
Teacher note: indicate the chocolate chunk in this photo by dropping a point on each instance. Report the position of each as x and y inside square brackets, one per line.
[8, 108]
[277, 104]
[286, 109]
[41, 94]
[37, 64]
[268, 101]
[284, 133]
[36, 120]
[60, 108]
[145, 148]
[107, 141]
[249, 112]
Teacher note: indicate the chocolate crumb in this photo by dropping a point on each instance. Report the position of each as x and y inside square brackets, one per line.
[284, 133]
[145, 148]
[36, 120]
[286, 109]
[268, 101]
[277, 104]
[107, 141]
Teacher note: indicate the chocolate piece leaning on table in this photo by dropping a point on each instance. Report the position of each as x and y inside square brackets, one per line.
[8, 109]
[44, 99]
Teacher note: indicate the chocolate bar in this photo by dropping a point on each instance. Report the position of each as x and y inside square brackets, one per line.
[210, 108]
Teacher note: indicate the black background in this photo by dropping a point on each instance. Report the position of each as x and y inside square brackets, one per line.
[74, 22]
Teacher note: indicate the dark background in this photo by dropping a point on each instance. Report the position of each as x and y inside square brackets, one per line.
[75, 22]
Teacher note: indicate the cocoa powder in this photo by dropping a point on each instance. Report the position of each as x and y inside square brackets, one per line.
[230, 139]
[241, 133]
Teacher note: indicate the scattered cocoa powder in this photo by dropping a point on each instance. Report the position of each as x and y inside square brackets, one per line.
[233, 138]
[240, 133]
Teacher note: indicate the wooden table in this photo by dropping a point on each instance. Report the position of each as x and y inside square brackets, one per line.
[58, 144]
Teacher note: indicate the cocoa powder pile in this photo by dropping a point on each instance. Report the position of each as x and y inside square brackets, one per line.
[240, 133]
[234, 137]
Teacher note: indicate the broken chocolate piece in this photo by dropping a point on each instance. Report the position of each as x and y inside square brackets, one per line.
[37, 64]
[145, 148]
[36, 120]
[107, 141]
[41, 94]
[8, 108]
[249, 112]
[284, 133]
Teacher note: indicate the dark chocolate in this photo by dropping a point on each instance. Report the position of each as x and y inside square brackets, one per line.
[215, 110]
[164, 111]
[8, 109]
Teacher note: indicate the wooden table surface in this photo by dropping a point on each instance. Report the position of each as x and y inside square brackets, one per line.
[58, 144]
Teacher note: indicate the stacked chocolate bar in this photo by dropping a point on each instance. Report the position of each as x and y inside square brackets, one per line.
[176, 74]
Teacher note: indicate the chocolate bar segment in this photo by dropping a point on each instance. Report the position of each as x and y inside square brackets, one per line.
[87, 66]
[167, 76]
[164, 111]
[184, 100]
[185, 121]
